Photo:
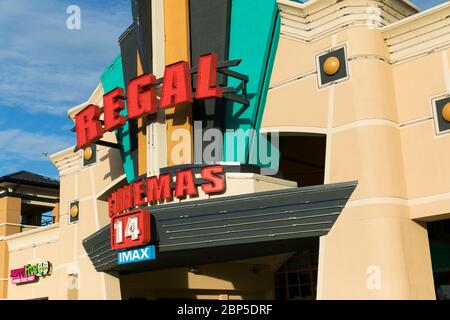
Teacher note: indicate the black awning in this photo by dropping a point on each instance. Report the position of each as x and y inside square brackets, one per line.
[231, 228]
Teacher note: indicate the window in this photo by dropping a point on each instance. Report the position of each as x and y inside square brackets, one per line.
[36, 215]
[297, 277]
[31, 219]
[302, 158]
[439, 238]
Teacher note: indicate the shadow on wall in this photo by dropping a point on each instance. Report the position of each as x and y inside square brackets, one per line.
[233, 280]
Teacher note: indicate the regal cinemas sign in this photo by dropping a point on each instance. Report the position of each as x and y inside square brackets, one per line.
[131, 224]
[142, 101]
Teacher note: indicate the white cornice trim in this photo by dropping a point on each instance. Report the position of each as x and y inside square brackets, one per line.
[31, 232]
[57, 156]
[314, 20]
[417, 16]
[8, 224]
[312, 3]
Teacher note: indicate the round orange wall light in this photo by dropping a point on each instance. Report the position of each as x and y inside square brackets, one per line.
[74, 211]
[446, 112]
[88, 153]
[331, 66]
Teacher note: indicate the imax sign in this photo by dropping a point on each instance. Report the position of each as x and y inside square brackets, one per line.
[136, 255]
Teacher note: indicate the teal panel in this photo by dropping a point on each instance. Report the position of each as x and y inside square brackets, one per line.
[112, 78]
[270, 159]
[254, 33]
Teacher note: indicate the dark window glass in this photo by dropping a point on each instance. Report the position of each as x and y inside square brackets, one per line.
[297, 277]
[306, 292]
[293, 278]
[305, 278]
[294, 292]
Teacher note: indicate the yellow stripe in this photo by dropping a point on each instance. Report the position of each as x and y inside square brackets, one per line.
[176, 24]
[142, 133]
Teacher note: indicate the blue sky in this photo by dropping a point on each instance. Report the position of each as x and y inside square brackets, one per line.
[426, 4]
[46, 69]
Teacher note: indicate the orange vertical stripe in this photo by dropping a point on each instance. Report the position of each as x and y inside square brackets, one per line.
[142, 133]
[177, 48]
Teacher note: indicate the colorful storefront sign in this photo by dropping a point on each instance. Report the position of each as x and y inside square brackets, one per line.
[30, 272]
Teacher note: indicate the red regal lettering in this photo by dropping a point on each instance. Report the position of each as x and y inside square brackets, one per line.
[88, 126]
[206, 78]
[141, 99]
[113, 104]
[176, 87]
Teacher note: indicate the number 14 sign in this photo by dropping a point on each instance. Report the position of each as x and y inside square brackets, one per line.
[131, 229]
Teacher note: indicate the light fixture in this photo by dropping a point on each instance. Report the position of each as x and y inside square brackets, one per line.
[446, 112]
[74, 211]
[331, 66]
[88, 153]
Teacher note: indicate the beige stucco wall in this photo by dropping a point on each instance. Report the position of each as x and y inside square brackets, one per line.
[4, 268]
[35, 246]
[10, 208]
[379, 130]
[378, 243]
[73, 275]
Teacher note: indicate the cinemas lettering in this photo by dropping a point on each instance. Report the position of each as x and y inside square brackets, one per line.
[158, 188]
[141, 98]
[131, 227]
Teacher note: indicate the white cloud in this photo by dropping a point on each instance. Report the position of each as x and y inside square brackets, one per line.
[47, 67]
[17, 144]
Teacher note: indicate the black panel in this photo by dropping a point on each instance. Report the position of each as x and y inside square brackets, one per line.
[237, 227]
[342, 72]
[142, 13]
[209, 33]
[209, 29]
[442, 124]
[128, 50]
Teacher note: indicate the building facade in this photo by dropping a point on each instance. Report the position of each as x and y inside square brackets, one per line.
[341, 190]
[28, 202]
